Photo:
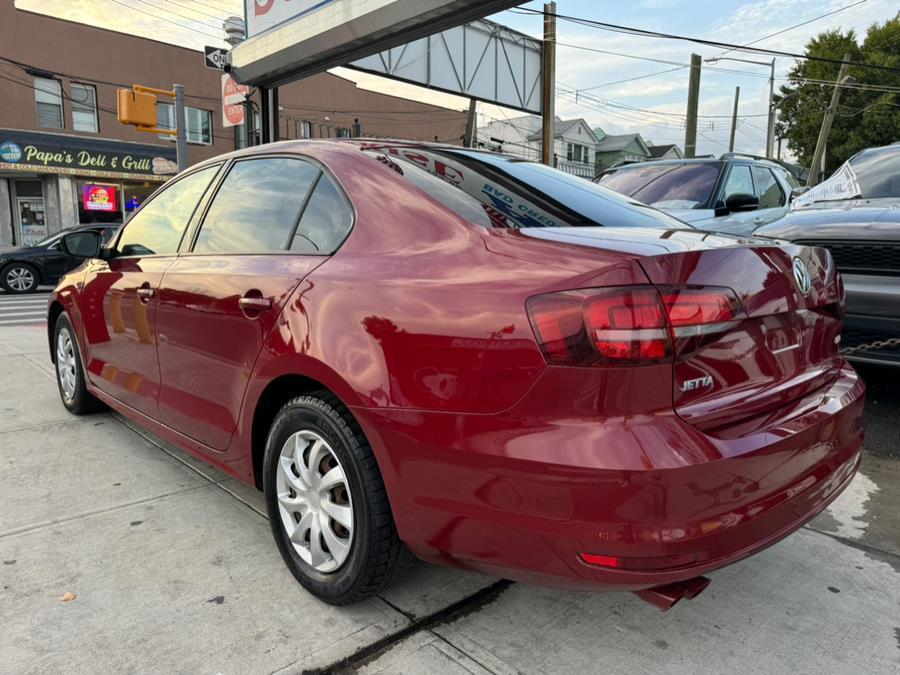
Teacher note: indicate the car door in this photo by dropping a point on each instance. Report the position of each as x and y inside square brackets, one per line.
[118, 303]
[219, 302]
[773, 200]
[55, 263]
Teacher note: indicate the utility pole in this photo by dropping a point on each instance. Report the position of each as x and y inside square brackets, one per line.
[548, 103]
[737, 96]
[819, 154]
[770, 131]
[693, 103]
[180, 129]
[471, 125]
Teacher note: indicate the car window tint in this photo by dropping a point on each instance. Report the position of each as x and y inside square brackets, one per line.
[684, 187]
[256, 206]
[789, 178]
[325, 221]
[770, 195]
[157, 227]
[739, 181]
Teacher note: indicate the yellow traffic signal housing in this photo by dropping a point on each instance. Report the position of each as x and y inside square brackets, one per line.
[137, 108]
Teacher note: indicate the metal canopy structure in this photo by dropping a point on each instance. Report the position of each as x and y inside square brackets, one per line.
[481, 60]
[291, 39]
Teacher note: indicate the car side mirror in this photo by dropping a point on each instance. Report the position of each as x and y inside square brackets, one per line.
[82, 244]
[741, 202]
[796, 192]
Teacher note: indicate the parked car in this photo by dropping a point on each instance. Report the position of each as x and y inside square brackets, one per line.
[425, 350]
[734, 194]
[856, 215]
[24, 268]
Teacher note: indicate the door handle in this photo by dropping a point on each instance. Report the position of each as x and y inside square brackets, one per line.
[255, 304]
[144, 293]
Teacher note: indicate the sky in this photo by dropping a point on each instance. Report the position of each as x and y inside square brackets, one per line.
[660, 97]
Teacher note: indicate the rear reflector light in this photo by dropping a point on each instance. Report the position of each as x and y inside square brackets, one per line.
[626, 325]
[602, 560]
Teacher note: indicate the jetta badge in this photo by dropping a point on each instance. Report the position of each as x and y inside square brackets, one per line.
[801, 276]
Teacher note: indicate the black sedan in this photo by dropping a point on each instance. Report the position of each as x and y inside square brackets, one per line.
[856, 215]
[24, 268]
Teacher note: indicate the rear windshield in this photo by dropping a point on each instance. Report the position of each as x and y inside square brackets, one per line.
[666, 186]
[498, 191]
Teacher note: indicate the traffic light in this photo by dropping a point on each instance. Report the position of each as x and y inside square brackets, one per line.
[137, 108]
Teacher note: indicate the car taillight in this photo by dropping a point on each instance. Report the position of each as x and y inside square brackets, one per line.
[626, 325]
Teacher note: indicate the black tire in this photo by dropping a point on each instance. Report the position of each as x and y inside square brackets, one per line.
[376, 557]
[11, 270]
[81, 401]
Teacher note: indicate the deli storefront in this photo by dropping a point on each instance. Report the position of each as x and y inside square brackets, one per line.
[49, 182]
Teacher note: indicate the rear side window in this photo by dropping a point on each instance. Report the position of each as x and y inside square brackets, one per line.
[157, 228]
[325, 221]
[256, 206]
[767, 188]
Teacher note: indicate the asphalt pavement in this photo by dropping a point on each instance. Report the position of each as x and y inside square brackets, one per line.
[119, 553]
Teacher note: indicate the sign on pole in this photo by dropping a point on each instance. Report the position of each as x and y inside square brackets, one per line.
[214, 57]
[233, 97]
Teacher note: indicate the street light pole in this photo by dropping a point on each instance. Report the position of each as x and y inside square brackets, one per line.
[770, 130]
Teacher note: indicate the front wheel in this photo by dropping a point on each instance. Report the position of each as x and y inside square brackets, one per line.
[328, 508]
[19, 278]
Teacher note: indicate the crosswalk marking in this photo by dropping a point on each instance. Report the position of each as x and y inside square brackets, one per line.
[23, 310]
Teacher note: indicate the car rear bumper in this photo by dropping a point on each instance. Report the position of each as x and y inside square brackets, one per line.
[521, 496]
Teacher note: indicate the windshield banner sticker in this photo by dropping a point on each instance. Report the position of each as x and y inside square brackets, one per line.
[841, 185]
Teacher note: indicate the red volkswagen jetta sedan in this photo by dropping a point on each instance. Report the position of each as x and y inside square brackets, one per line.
[473, 359]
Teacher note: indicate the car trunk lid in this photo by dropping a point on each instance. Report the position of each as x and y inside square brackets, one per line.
[781, 345]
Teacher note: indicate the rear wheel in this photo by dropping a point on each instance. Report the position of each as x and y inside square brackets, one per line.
[69, 371]
[19, 278]
[328, 508]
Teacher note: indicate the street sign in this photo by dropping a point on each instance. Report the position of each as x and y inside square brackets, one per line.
[233, 97]
[214, 57]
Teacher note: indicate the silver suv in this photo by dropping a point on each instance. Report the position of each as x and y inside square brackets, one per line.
[734, 194]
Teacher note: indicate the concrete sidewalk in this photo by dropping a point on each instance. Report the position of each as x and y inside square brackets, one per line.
[173, 569]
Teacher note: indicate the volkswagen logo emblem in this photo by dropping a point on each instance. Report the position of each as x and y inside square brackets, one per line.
[801, 276]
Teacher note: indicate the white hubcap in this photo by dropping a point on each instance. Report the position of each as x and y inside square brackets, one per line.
[65, 363]
[20, 279]
[314, 501]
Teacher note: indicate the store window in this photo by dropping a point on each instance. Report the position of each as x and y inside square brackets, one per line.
[199, 123]
[304, 129]
[342, 132]
[29, 212]
[99, 202]
[84, 107]
[48, 97]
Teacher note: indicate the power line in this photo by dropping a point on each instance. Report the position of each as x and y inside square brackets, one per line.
[789, 28]
[174, 13]
[199, 11]
[632, 79]
[628, 30]
[162, 18]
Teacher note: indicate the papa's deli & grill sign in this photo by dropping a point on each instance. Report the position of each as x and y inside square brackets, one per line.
[58, 153]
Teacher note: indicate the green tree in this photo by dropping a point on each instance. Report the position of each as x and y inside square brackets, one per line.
[865, 117]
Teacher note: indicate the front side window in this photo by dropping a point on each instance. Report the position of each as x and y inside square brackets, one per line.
[739, 182]
[157, 228]
[198, 122]
[256, 207]
[666, 186]
[84, 107]
[48, 98]
[767, 188]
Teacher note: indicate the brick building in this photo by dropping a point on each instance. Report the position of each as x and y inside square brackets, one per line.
[65, 159]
